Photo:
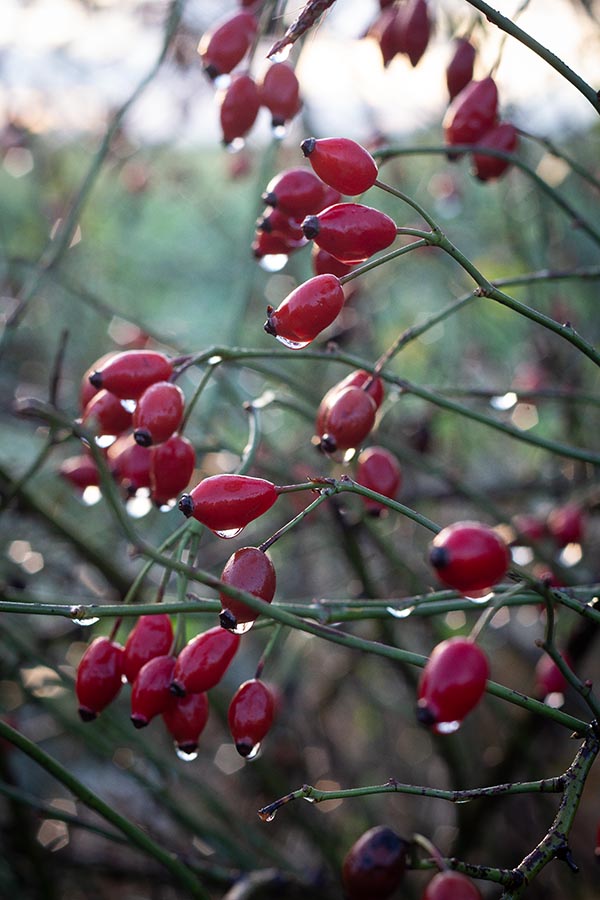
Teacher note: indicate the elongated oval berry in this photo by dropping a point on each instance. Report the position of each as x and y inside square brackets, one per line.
[250, 716]
[239, 106]
[472, 112]
[86, 388]
[548, 677]
[347, 421]
[350, 231]
[203, 661]
[296, 191]
[459, 71]
[372, 384]
[341, 163]
[469, 556]
[98, 678]
[379, 470]
[249, 569]
[275, 221]
[415, 26]
[151, 636]
[500, 137]
[150, 692]
[106, 415]
[171, 467]
[226, 503]
[375, 864]
[158, 413]
[566, 524]
[280, 92]
[451, 886]
[81, 471]
[223, 46]
[387, 32]
[129, 464]
[185, 719]
[306, 312]
[451, 684]
[128, 374]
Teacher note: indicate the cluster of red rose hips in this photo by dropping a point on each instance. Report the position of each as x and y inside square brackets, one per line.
[402, 28]
[223, 48]
[472, 115]
[375, 866]
[133, 408]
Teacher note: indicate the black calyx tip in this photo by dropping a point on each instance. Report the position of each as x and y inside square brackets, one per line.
[186, 505]
[227, 620]
[139, 721]
[177, 689]
[308, 145]
[310, 227]
[269, 198]
[438, 557]
[86, 714]
[211, 71]
[142, 437]
[269, 325]
[96, 379]
[263, 224]
[327, 444]
[188, 747]
[424, 715]
[244, 748]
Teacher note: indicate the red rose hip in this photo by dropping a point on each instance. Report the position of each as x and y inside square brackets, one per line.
[250, 716]
[171, 467]
[248, 569]
[226, 503]
[203, 661]
[341, 163]
[379, 470]
[158, 413]
[98, 678]
[306, 312]
[185, 719]
[151, 636]
[150, 692]
[451, 684]
[375, 864]
[451, 886]
[350, 231]
[128, 374]
[347, 420]
[472, 112]
[469, 556]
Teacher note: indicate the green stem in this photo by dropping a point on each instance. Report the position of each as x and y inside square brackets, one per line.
[181, 873]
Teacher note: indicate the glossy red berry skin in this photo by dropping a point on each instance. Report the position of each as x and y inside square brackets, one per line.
[171, 467]
[249, 569]
[297, 192]
[274, 243]
[350, 231]
[151, 636]
[226, 503]
[203, 661]
[129, 464]
[388, 33]
[416, 29]
[81, 471]
[185, 719]
[459, 71]
[341, 163]
[279, 91]
[239, 106]
[469, 556]
[250, 716]
[274, 221]
[359, 378]
[451, 886]
[98, 679]
[105, 415]
[347, 421]
[158, 413]
[452, 683]
[128, 374]
[472, 112]
[500, 137]
[150, 692]
[379, 470]
[375, 864]
[306, 311]
[323, 263]
[565, 524]
[225, 45]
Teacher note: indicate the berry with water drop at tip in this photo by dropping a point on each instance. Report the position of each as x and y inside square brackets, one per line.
[472, 112]
[347, 421]
[249, 569]
[150, 692]
[306, 311]
[375, 864]
[185, 719]
[106, 415]
[129, 464]
[98, 679]
[129, 373]
[296, 191]
[81, 471]
[459, 71]
[341, 163]
[151, 636]
[503, 137]
[158, 413]
[451, 684]
[224, 45]
[250, 716]
[415, 26]
[203, 661]
[239, 106]
[469, 556]
[379, 470]
[451, 886]
[350, 231]
[171, 467]
[279, 91]
[566, 524]
[227, 503]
